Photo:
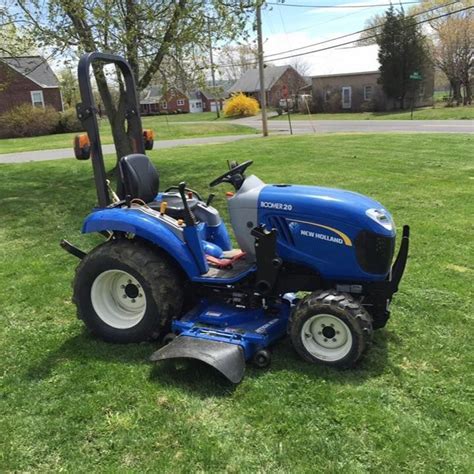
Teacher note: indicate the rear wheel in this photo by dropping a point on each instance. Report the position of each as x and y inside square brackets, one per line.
[125, 291]
[330, 328]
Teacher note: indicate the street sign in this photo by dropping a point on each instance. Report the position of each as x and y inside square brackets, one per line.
[416, 76]
[284, 91]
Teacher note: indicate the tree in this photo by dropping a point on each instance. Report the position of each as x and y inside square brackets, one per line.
[375, 24]
[402, 52]
[452, 44]
[235, 60]
[147, 33]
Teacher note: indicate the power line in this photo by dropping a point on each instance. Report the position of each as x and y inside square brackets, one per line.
[339, 6]
[371, 36]
[356, 32]
[352, 34]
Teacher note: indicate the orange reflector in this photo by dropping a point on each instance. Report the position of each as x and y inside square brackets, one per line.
[229, 194]
[148, 134]
[82, 146]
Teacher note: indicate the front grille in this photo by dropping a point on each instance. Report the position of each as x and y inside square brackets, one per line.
[374, 252]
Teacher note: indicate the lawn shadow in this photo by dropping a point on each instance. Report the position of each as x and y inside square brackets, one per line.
[196, 377]
[83, 348]
[192, 376]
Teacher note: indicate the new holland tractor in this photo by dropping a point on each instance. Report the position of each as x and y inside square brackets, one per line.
[313, 263]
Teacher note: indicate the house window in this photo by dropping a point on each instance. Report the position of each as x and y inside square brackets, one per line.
[368, 90]
[180, 102]
[164, 105]
[37, 98]
[198, 105]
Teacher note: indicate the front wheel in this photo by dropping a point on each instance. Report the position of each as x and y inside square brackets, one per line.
[125, 291]
[330, 328]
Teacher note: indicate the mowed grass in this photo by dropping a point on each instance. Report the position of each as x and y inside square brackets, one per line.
[165, 128]
[71, 402]
[439, 113]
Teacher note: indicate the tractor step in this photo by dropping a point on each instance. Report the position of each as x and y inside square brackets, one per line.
[227, 358]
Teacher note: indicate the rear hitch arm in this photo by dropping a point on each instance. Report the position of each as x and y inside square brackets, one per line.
[72, 249]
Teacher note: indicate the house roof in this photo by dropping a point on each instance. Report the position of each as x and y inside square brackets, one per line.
[250, 81]
[154, 94]
[345, 61]
[34, 68]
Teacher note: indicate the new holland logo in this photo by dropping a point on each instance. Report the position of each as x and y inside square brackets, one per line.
[340, 238]
[316, 235]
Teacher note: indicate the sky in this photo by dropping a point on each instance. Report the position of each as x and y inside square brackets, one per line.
[286, 27]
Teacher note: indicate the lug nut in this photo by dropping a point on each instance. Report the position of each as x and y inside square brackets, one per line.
[124, 295]
[140, 295]
[133, 300]
[334, 340]
[122, 286]
[325, 340]
[319, 333]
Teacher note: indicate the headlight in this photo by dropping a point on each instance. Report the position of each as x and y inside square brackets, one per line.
[381, 217]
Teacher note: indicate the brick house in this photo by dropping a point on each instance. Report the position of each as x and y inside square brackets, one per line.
[352, 84]
[155, 101]
[276, 77]
[28, 80]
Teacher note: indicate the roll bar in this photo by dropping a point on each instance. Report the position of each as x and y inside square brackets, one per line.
[87, 114]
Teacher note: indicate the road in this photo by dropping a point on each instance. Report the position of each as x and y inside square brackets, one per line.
[279, 127]
[363, 126]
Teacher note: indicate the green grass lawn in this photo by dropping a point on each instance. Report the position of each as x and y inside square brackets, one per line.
[439, 113]
[71, 402]
[164, 130]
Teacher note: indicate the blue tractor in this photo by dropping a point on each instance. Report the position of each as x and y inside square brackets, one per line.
[313, 263]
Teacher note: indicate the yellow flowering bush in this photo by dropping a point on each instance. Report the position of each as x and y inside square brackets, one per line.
[239, 105]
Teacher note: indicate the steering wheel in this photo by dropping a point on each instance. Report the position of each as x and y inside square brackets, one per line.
[227, 177]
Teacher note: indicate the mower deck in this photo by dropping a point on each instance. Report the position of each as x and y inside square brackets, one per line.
[225, 336]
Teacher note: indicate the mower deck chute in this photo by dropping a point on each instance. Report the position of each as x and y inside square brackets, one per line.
[227, 358]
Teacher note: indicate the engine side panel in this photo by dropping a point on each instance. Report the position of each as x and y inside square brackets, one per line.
[318, 228]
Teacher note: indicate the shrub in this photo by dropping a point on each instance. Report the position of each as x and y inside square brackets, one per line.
[239, 105]
[68, 122]
[28, 121]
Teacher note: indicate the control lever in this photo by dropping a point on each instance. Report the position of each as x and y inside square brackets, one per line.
[210, 199]
[189, 219]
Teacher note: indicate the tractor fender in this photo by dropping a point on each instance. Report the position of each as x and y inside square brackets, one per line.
[147, 227]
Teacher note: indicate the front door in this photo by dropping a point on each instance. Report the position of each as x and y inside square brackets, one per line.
[347, 97]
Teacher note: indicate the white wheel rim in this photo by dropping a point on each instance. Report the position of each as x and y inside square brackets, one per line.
[326, 337]
[118, 299]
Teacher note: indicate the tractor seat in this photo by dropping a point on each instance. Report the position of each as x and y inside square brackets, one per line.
[141, 180]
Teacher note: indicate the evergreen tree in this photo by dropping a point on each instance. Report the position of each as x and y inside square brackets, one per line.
[402, 52]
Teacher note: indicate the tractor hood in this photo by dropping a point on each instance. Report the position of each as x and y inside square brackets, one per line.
[326, 203]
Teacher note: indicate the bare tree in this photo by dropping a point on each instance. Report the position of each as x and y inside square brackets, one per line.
[453, 45]
[235, 60]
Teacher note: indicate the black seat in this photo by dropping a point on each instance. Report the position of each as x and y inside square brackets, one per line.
[140, 180]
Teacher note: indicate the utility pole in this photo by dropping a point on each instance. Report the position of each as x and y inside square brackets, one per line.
[213, 75]
[263, 98]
